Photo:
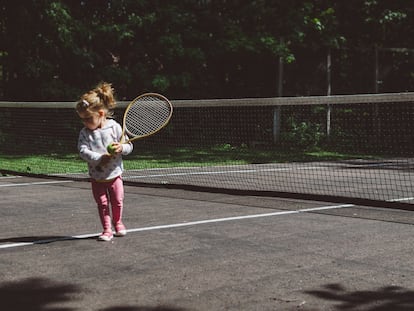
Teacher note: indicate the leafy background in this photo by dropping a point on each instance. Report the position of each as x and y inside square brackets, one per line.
[55, 50]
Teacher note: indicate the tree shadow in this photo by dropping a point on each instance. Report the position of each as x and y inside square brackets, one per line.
[36, 294]
[41, 294]
[159, 308]
[386, 298]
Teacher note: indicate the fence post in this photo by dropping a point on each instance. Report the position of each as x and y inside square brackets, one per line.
[277, 110]
[329, 111]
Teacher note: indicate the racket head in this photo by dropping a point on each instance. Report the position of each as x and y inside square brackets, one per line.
[146, 115]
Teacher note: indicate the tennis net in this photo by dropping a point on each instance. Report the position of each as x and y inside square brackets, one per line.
[350, 148]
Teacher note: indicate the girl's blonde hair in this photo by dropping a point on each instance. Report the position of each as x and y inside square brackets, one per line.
[100, 98]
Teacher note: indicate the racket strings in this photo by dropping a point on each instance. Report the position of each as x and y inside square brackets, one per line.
[147, 116]
[145, 120]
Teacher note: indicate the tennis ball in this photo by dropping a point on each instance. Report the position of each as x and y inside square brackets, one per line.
[110, 149]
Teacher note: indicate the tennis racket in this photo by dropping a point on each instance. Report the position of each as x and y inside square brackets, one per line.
[146, 115]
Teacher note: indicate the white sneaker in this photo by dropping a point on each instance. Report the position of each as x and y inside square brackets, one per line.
[106, 236]
[120, 230]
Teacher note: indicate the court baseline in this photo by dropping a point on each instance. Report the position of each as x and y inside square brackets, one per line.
[179, 225]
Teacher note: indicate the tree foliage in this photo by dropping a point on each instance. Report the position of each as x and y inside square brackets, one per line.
[56, 49]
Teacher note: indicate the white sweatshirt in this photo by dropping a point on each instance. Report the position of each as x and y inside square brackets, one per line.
[92, 146]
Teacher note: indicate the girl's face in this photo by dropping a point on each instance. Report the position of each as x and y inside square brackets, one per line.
[92, 120]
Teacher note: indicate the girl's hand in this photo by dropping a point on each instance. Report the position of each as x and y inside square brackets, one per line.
[117, 147]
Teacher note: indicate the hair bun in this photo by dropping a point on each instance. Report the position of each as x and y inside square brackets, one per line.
[106, 93]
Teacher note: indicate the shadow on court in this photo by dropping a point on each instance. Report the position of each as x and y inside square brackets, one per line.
[389, 298]
[37, 294]
[43, 239]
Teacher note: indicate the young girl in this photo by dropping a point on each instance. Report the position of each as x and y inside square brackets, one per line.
[95, 109]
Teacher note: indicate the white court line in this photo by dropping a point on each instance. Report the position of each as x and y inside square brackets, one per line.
[402, 199]
[240, 171]
[221, 172]
[9, 177]
[201, 222]
[36, 183]
[179, 225]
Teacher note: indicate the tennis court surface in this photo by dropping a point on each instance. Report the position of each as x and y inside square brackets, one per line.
[188, 250]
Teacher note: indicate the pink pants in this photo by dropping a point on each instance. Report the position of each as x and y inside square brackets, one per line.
[105, 193]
